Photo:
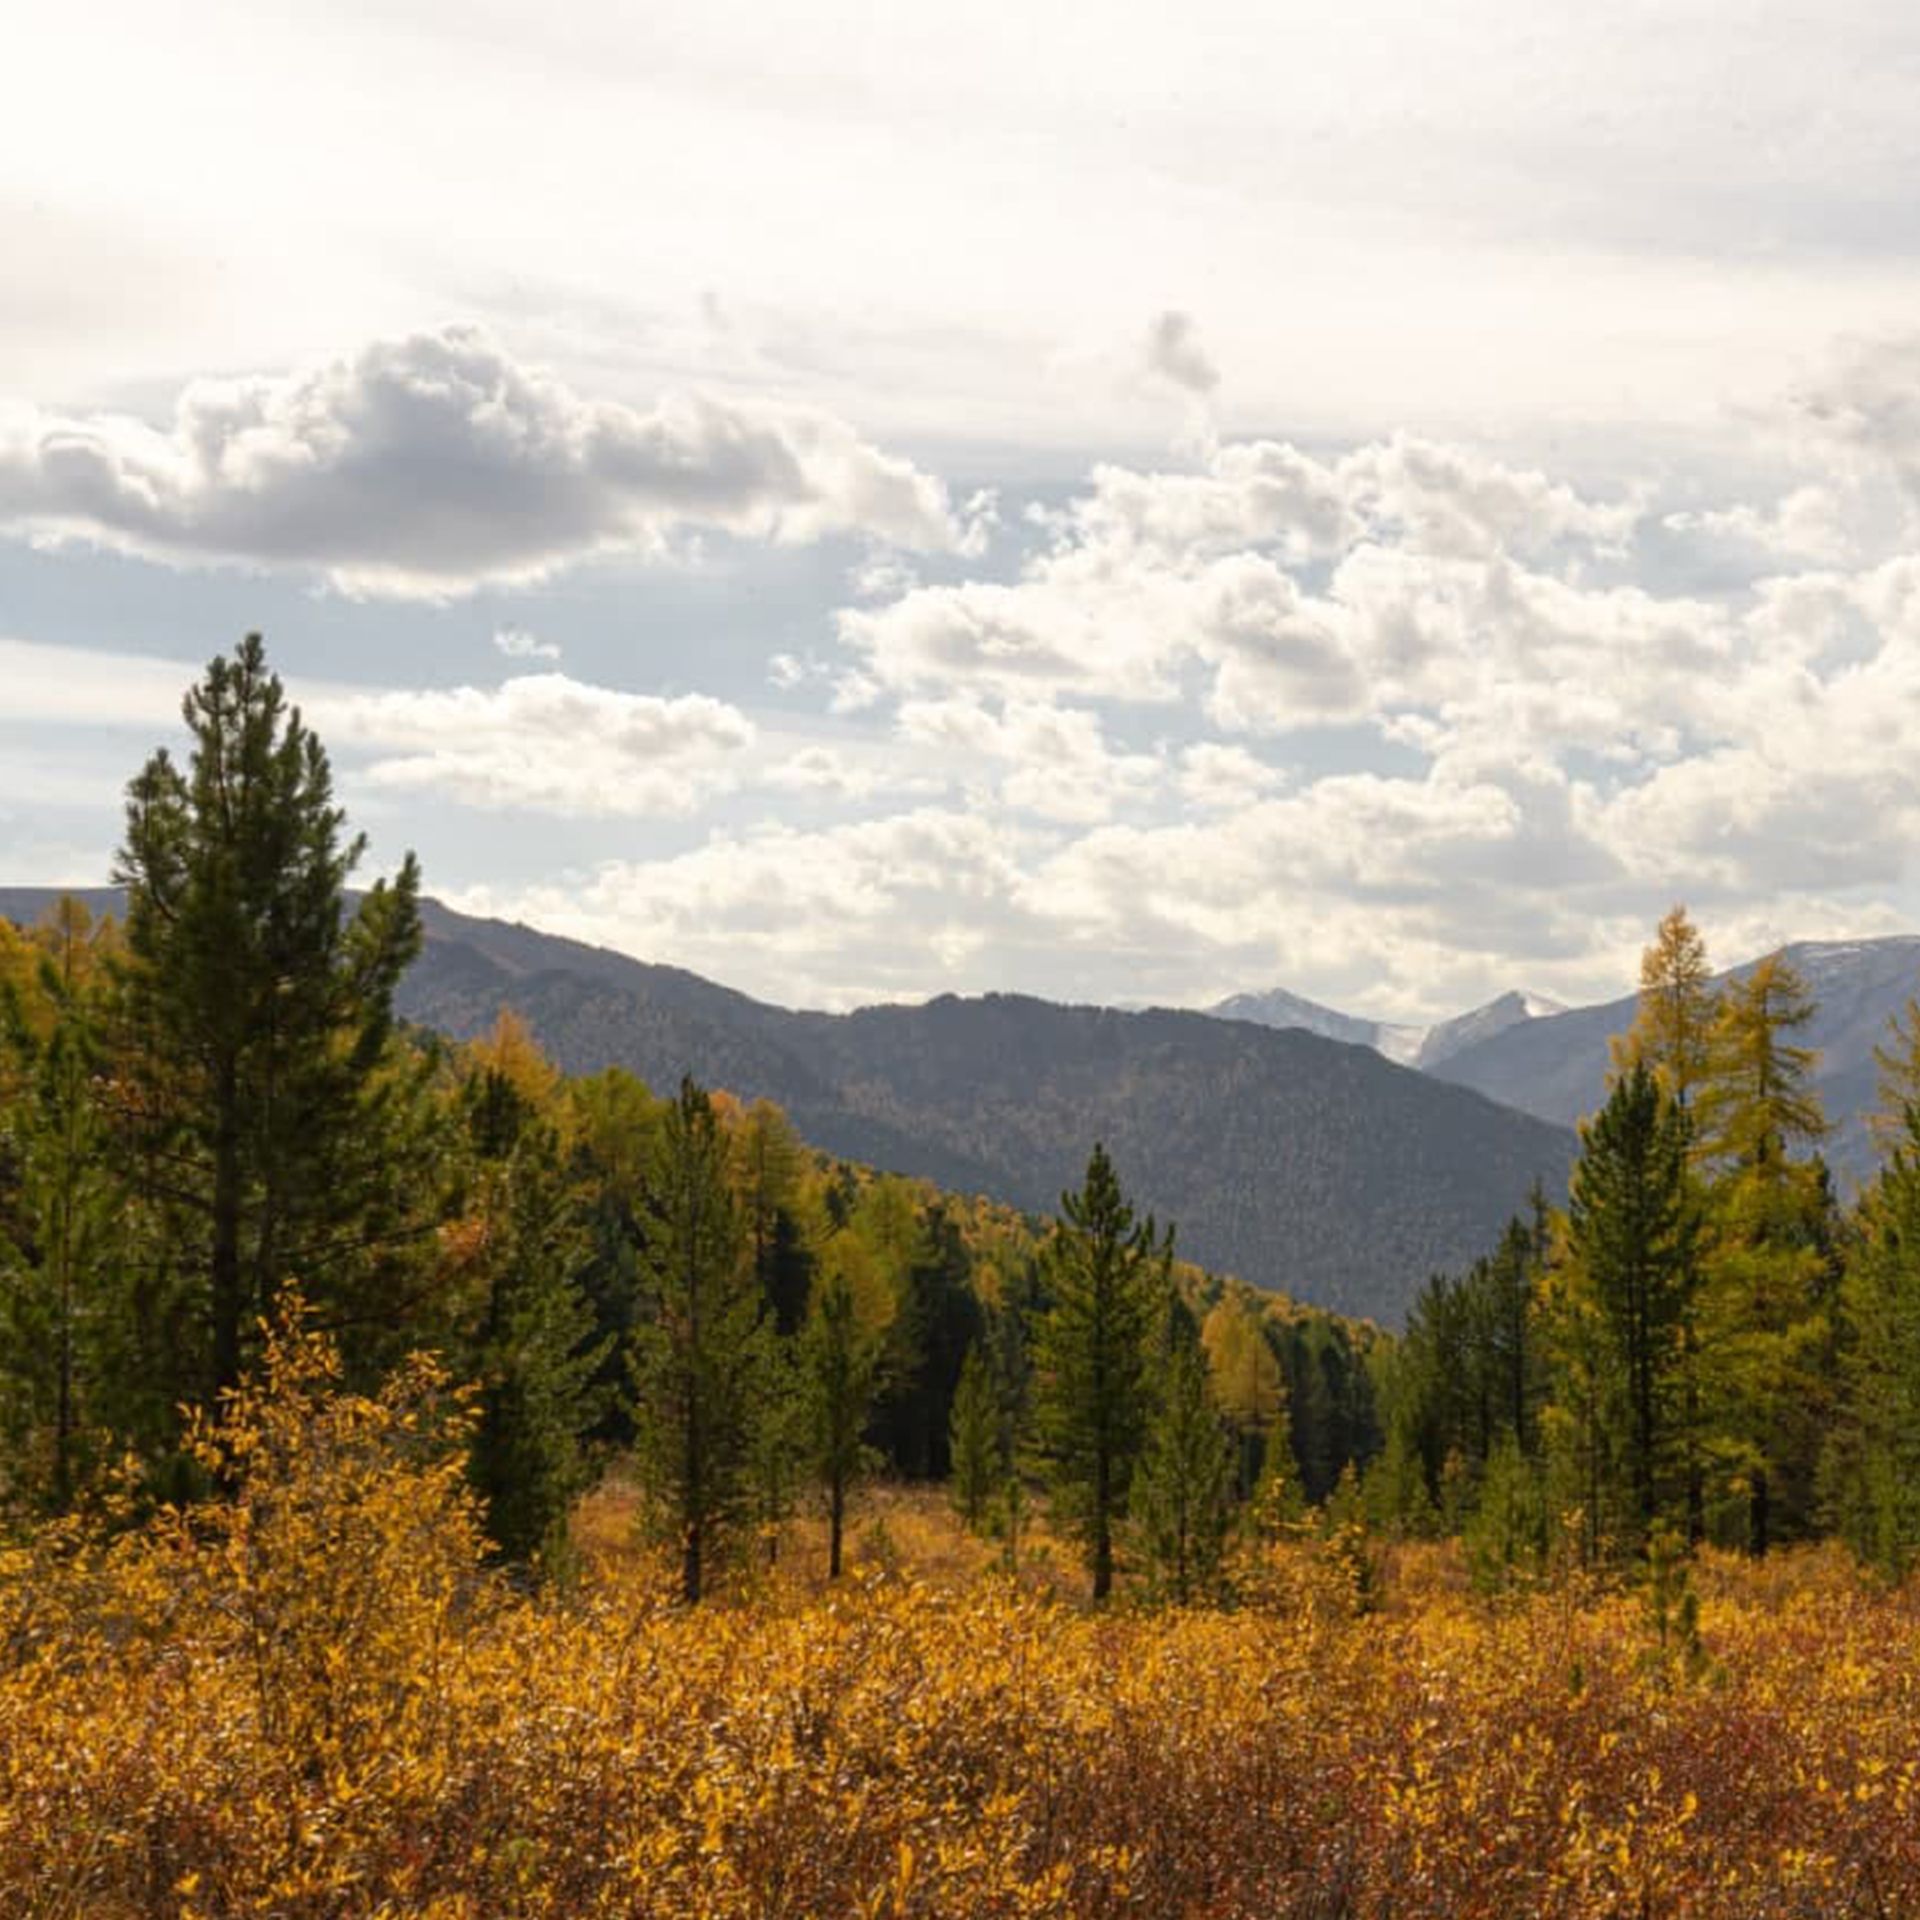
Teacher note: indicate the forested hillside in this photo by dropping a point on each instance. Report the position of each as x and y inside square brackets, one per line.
[1309, 1168]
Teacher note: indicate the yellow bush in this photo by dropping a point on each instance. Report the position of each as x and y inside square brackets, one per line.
[309, 1699]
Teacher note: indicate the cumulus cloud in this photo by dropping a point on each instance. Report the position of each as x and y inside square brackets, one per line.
[1453, 503]
[1050, 761]
[429, 465]
[840, 774]
[1560, 743]
[1866, 406]
[826, 916]
[1219, 777]
[1445, 573]
[1509, 740]
[1805, 527]
[548, 743]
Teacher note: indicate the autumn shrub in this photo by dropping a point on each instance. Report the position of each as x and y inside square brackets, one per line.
[312, 1697]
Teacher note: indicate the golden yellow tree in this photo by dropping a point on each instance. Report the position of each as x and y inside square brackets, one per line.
[1673, 1025]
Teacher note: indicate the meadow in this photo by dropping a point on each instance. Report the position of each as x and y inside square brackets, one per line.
[316, 1698]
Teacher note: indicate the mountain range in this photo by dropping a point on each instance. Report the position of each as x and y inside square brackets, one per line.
[1300, 1163]
[1287, 1141]
[1423, 1047]
[1556, 1067]
[1552, 1061]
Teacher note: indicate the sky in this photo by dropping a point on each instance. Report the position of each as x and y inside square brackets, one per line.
[867, 501]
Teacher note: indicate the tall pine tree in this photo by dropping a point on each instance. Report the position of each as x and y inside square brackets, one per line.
[1107, 1273]
[1872, 1465]
[535, 1350]
[1185, 1480]
[700, 1351]
[258, 1089]
[1631, 1238]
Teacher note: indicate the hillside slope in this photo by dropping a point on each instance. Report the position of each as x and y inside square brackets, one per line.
[1297, 1162]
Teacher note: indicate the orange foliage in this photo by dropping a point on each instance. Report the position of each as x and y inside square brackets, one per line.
[310, 1700]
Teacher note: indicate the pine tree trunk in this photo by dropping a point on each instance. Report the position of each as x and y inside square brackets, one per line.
[1696, 1478]
[836, 1523]
[228, 1303]
[1102, 1534]
[690, 1569]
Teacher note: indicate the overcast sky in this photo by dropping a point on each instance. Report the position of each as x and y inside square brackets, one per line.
[1122, 503]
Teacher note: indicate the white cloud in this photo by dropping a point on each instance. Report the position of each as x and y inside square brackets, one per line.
[1433, 605]
[882, 576]
[1865, 406]
[428, 465]
[1220, 778]
[841, 774]
[518, 644]
[1254, 493]
[830, 916]
[1453, 503]
[1058, 763]
[1806, 527]
[547, 743]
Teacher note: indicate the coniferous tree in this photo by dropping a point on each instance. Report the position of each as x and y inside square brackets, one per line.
[257, 1086]
[781, 1436]
[1756, 1099]
[1766, 1301]
[1632, 1240]
[1871, 1469]
[700, 1353]
[841, 1353]
[1247, 1382]
[975, 1441]
[536, 1352]
[937, 1318]
[61, 1228]
[1674, 1033]
[1107, 1271]
[1897, 1058]
[1584, 1420]
[614, 1128]
[1673, 1026]
[1505, 1536]
[1469, 1373]
[1185, 1476]
[768, 1161]
[1278, 1500]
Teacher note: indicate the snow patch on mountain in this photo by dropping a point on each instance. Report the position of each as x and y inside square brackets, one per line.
[1406, 1046]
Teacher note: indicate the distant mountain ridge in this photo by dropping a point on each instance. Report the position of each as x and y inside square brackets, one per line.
[1409, 1046]
[1295, 1161]
[1556, 1067]
[1279, 1008]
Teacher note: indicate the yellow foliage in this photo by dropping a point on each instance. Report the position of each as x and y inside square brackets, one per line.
[307, 1698]
[510, 1050]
